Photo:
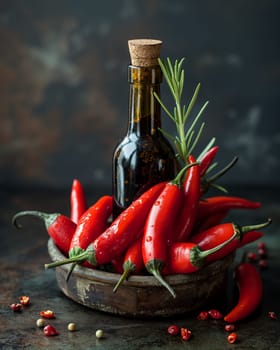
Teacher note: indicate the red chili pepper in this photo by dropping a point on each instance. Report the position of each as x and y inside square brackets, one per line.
[50, 331]
[232, 338]
[250, 237]
[121, 233]
[211, 221]
[186, 334]
[59, 227]
[212, 205]
[191, 188]
[117, 264]
[160, 222]
[133, 261]
[185, 257]
[250, 288]
[90, 225]
[49, 314]
[218, 234]
[78, 202]
[207, 159]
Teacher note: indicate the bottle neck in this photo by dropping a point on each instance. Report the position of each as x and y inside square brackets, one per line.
[144, 109]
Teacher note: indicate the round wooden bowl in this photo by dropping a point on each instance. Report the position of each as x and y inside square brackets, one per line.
[141, 296]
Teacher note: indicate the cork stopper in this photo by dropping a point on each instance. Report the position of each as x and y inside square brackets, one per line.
[144, 52]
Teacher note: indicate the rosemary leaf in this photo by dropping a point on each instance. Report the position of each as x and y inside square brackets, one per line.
[206, 149]
[168, 135]
[185, 140]
[211, 167]
[192, 102]
[219, 187]
[197, 138]
[164, 107]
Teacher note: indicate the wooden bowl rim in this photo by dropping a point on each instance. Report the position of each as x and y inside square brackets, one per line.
[100, 276]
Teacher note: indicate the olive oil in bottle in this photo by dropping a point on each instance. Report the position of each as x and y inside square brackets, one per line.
[144, 157]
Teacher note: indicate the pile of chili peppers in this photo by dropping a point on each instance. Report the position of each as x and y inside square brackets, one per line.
[173, 228]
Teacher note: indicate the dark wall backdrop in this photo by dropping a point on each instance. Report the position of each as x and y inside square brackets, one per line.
[64, 91]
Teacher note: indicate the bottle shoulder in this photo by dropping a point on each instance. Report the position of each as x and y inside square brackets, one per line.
[153, 142]
[157, 144]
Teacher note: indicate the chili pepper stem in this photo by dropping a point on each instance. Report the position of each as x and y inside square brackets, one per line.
[65, 261]
[74, 259]
[128, 269]
[48, 218]
[178, 179]
[86, 255]
[154, 267]
[70, 271]
[245, 229]
[198, 256]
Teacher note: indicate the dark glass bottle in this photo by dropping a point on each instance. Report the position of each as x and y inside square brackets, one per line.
[144, 157]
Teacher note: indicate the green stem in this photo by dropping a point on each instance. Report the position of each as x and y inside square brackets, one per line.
[154, 267]
[249, 228]
[47, 218]
[174, 75]
[178, 179]
[181, 131]
[78, 259]
[70, 271]
[158, 276]
[207, 147]
[128, 269]
[205, 253]
[198, 256]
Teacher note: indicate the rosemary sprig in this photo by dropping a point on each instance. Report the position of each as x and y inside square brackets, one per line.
[185, 140]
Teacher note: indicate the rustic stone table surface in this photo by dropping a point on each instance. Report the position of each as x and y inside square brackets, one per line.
[22, 259]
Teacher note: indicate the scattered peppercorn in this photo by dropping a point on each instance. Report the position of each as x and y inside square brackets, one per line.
[232, 338]
[40, 323]
[16, 307]
[50, 331]
[71, 327]
[99, 334]
[173, 329]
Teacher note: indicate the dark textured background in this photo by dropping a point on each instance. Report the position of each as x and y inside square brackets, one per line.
[64, 91]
